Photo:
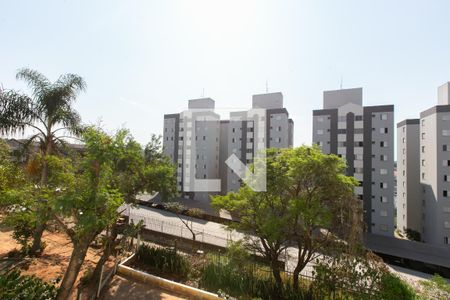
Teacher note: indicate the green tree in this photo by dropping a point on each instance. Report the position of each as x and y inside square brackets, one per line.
[324, 214]
[111, 172]
[49, 112]
[87, 204]
[136, 170]
[309, 202]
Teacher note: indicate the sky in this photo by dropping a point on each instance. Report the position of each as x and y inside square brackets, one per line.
[144, 59]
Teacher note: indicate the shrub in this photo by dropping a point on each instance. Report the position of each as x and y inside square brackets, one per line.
[245, 281]
[163, 260]
[13, 285]
[392, 288]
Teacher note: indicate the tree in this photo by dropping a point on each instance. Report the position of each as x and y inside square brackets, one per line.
[324, 214]
[49, 111]
[135, 171]
[263, 216]
[179, 209]
[413, 235]
[87, 204]
[309, 202]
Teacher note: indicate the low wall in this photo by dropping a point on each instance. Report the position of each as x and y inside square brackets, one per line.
[163, 283]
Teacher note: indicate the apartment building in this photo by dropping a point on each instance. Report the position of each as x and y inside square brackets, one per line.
[364, 136]
[242, 138]
[435, 169]
[191, 140]
[201, 170]
[409, 191]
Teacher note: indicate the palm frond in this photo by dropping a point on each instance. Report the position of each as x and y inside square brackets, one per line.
[16, 112]
[35, 80]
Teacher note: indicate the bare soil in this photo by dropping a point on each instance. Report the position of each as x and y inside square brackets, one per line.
[54, 260]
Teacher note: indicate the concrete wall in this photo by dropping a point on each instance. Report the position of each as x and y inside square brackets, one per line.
[338, 98]
[409, 191]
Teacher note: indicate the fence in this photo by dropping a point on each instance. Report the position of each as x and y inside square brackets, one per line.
[180, 230]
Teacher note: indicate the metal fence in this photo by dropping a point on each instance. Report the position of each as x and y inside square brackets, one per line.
[180, 230]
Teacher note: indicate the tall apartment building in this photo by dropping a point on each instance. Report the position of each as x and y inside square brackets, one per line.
[434, 171]
[409, 192]
[364, 136]
[241, 139]
[202, 169]
[199, 126]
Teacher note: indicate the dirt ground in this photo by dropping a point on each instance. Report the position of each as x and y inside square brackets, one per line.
[52, 264]
[122, 288]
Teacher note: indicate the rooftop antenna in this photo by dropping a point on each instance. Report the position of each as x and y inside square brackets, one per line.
[267, 87]
[342, 80]
[203, 93]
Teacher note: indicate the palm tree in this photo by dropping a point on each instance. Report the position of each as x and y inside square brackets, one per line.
[49, 111]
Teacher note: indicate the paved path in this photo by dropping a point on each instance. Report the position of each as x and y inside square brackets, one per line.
[123, 288]
[217, 234]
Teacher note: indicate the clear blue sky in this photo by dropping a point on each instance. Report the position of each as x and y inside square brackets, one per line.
[142, 59]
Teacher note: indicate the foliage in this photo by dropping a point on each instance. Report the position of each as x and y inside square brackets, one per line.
[164, 260]
[363, 277]
[49, 112]
[392, 288]
[435, 288]
[246, 281]
[413, 235]
[309, 201]
[13, 285]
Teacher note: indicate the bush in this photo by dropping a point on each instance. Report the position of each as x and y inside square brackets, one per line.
[392, 288]
[245, 281]
[163, 260]
[24, 287]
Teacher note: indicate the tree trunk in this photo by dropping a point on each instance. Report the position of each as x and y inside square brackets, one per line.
[295, 276]
[277, 276]
[76, 260]
[109, 246]
[37, 238]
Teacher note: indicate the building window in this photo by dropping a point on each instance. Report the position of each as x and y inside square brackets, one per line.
[423, 162]
[446, 132]
[383, 227]
[423, 149]
[444, 148]
[358, 118]
[383, 157]
[445, 178]
[383, 116]
[383, 213]
[423, 122]
[383, 171]
[403, 140]
[445, 193]
[383, 144]
[233, 140]
[447, 209]
[279, 128]
[383, 199]
[320, 119]
[384, 130]
[204, 138]
[423, 135]
[446, 163]
[445, 117]
[447, 224]
[320, 144]
[320, 131]
[446, 240]
[279, 140]
[234, 130]
[423, 175]
[383, 185]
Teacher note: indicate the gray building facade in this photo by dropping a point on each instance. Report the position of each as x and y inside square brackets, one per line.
[364, 137]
